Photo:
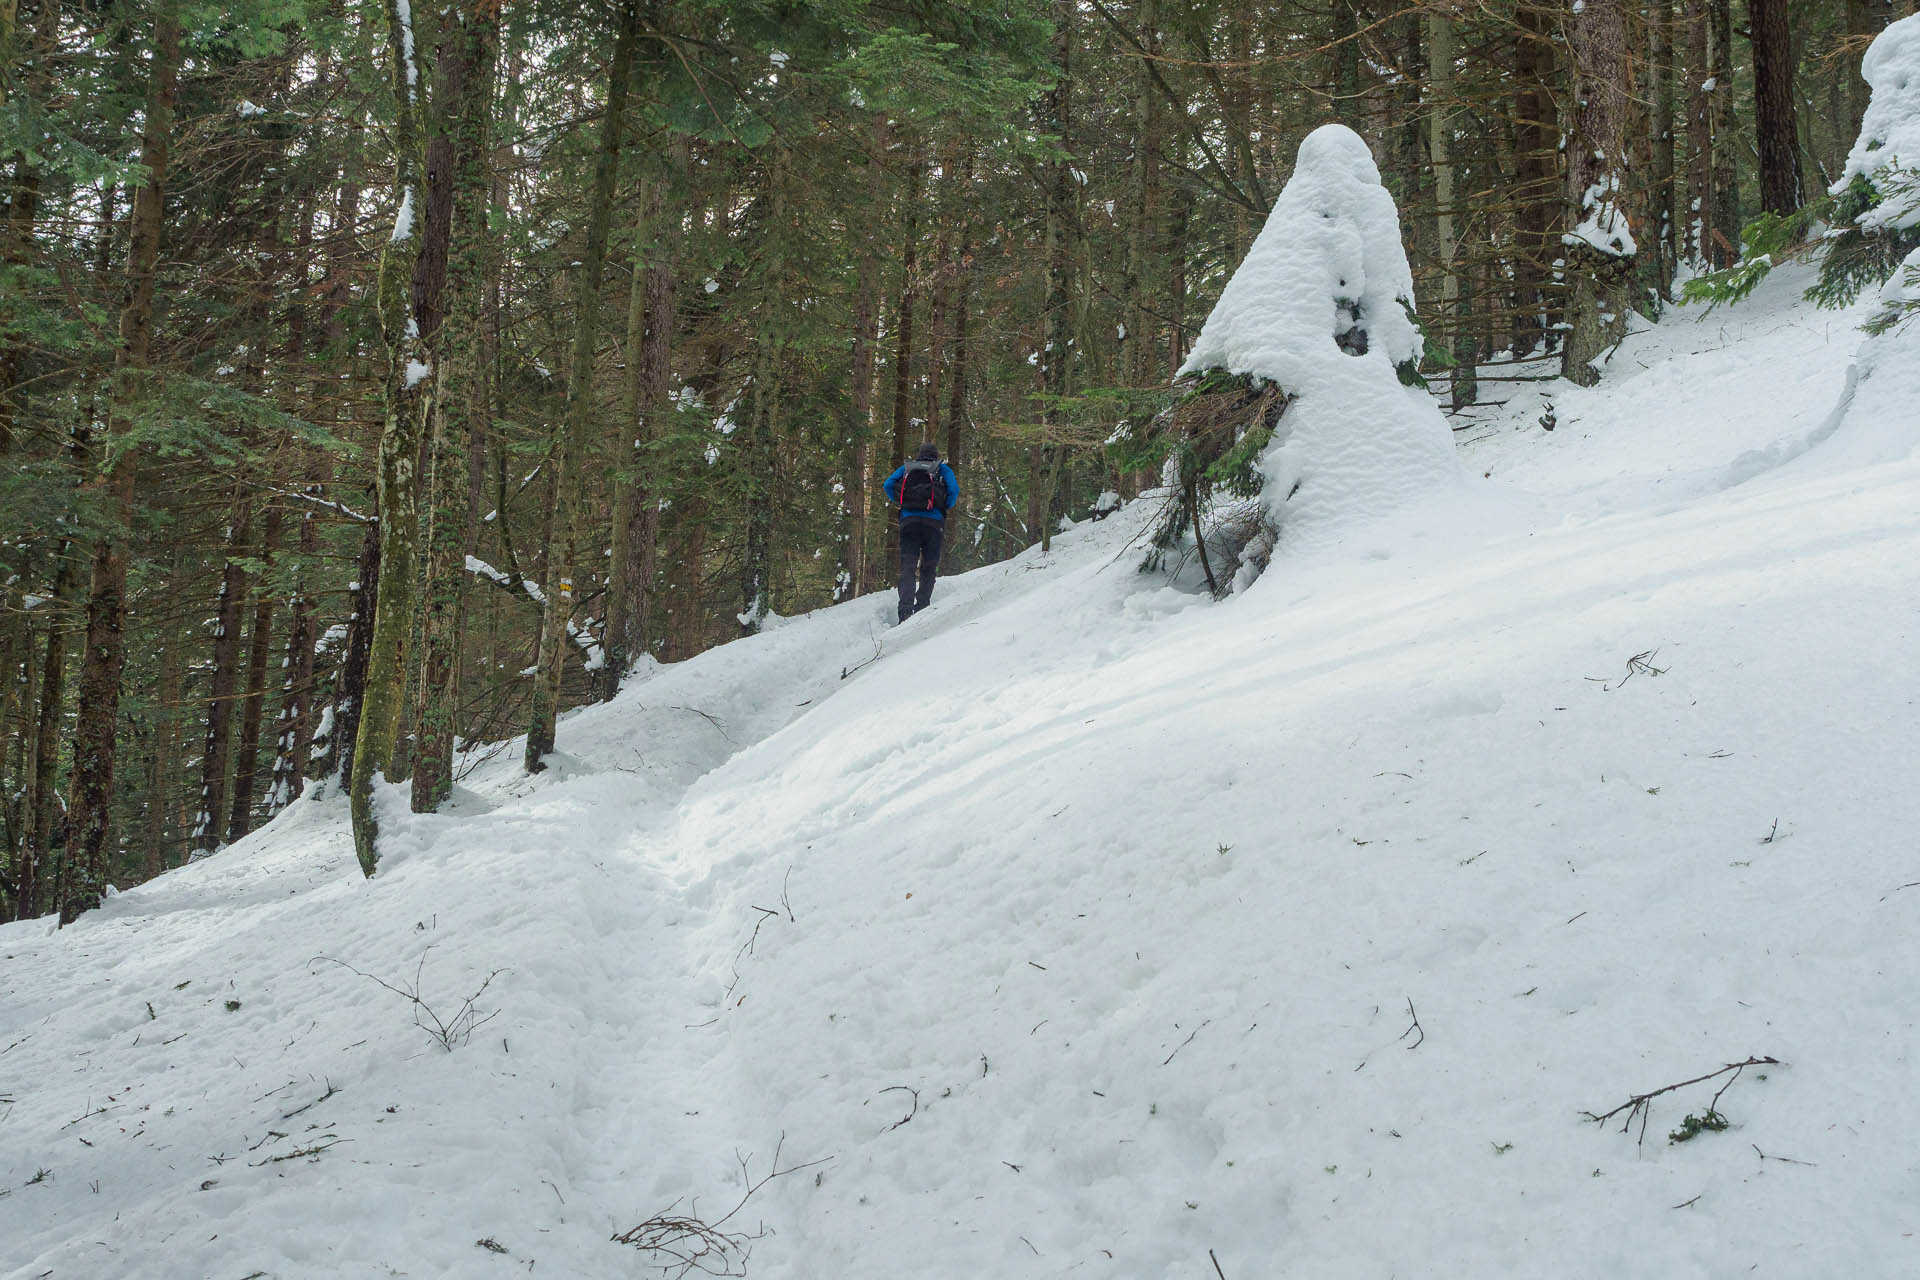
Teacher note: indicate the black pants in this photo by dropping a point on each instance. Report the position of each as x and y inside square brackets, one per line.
[919, 554]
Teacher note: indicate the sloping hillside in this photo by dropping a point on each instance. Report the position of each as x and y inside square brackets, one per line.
[1082, 927]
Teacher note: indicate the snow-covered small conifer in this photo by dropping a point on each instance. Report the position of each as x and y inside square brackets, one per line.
[1302, 387]
[1875, 420]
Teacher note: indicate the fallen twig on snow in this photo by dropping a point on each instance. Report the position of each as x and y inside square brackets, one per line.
[684, 1243]
[1184, 1043]
[1639, 1105]
[1640, 664]
[331, 1090]
[911, 1114]
[1415, 1027]
[445, 1032]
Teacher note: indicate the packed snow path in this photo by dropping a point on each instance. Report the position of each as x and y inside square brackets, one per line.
[1084, 930]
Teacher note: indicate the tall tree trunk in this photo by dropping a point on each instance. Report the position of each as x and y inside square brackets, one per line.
[1773, 99]
[1658, 268]
[903, 335]
[1724, 225]
[957, 444]
[293, 724]
[1057, 359]
[636, 504]
[253, 706]
[29, 62]
[163, 764]
[1143, 240]
[758, 453]
[857, 460]
[1538, 191]
[408, 383]
[457, 190]
[37, 850]
[1440, 60]
[949, 209]
[574, 443]
[1600, 251]
[90, 812]
[656, 367]
[1699, 203]
[225, 679]
[350, 675]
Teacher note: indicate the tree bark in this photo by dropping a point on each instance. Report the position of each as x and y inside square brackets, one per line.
[30, 70]
[1658, 268]
[1058, 356]
[90, 801]
[1538, 191]
[37, 850]
[550, 660]
[1772, 40]
[408, 312]
[1724, 225]
[1600, 252]
[1440, 60]
[163, 764]
[457, 201]
[1143, 239]
[757, 449]
[857, 460]
[636, 504]
[225, 679]
[253, 707]
[1699, 203]
[903, 335]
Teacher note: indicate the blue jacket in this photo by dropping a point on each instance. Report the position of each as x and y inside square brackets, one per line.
[892, 486]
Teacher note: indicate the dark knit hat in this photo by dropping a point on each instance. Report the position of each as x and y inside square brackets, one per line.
[927, 453]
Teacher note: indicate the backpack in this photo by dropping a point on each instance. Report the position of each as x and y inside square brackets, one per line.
[923, 488]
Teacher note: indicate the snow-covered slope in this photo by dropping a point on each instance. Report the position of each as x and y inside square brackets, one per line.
[1084, 930]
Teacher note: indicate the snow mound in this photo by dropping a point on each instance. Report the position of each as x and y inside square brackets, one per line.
[1329, 257]
[1887, 153]
[1322, 306]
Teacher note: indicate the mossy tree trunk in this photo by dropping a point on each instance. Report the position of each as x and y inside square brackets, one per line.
[408, 383]
[458, 187]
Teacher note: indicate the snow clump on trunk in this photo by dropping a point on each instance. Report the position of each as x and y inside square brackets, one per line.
[1322, 309]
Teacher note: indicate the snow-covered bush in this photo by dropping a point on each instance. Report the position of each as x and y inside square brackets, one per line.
[1297, 399]
[1886, 159]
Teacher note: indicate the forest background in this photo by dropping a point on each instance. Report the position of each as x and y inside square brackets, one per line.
[376, 381]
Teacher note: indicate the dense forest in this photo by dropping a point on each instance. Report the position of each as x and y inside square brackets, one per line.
[379, 381]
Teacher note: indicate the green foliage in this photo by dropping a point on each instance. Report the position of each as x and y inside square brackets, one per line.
[1857, 258]
[1693, 1126]
[1768, 237]
[1238, 469]
[1853, 258]
[1731, 286]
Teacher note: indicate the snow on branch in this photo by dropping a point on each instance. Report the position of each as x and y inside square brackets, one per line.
[595, 657]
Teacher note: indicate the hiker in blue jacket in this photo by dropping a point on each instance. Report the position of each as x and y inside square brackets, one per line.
[926, 490]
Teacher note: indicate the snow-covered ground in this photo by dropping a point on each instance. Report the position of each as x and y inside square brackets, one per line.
[1087, 928]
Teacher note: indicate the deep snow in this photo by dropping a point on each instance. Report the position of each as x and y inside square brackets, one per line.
[1096, 916]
